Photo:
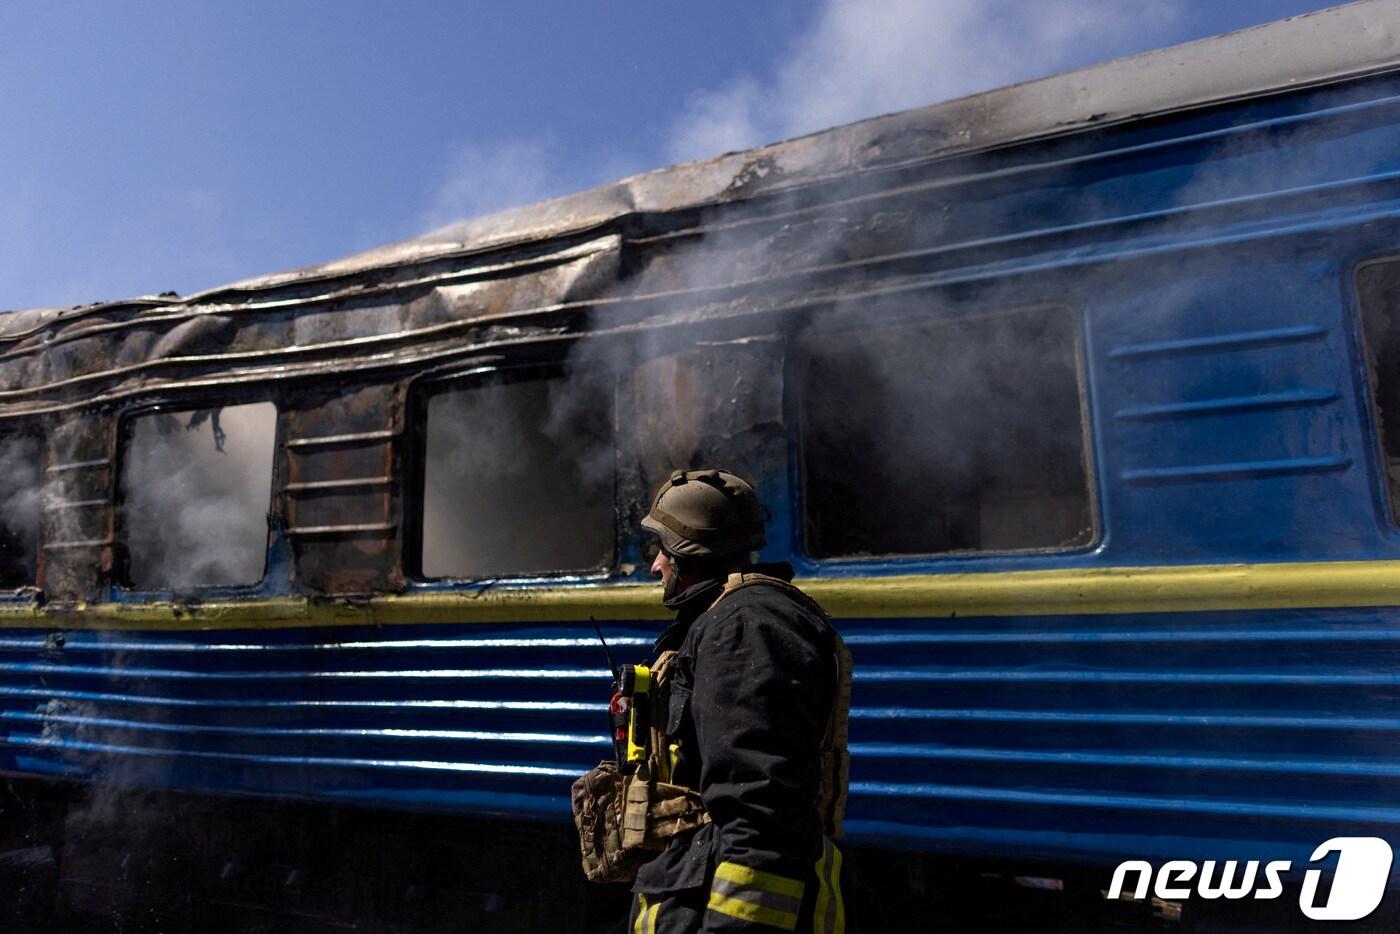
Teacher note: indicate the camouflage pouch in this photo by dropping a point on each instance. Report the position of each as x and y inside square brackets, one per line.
[625, 820]
[597, 801]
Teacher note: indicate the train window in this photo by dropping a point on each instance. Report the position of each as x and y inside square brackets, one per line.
[1378, 294]
[518, 478]
[717, 405]
[196, 491]
[20, 458]
[959, 435]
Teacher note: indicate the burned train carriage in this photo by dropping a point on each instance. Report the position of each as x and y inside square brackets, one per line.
[1076, 404]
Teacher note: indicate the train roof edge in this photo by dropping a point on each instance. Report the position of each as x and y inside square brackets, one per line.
[1323, 47]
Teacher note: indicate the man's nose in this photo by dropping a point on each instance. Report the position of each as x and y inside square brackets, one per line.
[658, 567]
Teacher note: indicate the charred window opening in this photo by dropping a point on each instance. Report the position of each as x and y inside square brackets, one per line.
[518, 478]
[1378, 294]
[716, 405]
[959, 435]
[196, 492]
[20, 462]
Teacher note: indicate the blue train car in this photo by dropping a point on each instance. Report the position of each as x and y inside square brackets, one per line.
[1077, 403]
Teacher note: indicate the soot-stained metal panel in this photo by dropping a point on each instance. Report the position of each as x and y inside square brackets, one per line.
[342, 508]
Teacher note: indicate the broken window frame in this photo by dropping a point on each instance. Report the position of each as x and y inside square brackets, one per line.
[919, 314]
[121, 576]
[1387, 489]
[32, 433]
[421, 391]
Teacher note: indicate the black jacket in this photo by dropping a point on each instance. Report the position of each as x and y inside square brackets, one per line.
[751, 691]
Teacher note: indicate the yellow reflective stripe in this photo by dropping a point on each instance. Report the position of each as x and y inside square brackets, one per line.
[758, 879]
[748, 911]
[829, 915]
[754, 895]
[840, 921]
[646, 916]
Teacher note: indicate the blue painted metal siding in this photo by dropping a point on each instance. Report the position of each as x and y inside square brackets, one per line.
[1247, 734]
[1236, 436]
[1212, 272]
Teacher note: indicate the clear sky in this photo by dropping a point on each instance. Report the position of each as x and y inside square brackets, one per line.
[148, 145]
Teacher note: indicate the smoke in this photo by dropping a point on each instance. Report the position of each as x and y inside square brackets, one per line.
[20, 458]
[196, 487]
[975, 426]
[697, 402]
[886, 427]
[860, 59]
[518, 478]
[484, 179]
[932, 426]
[863, 58]
[994, 417]
[527, 476]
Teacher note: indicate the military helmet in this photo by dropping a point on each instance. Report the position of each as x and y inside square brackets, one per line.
[706, 512]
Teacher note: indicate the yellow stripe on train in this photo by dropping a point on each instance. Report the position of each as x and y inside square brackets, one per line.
[1006, 593]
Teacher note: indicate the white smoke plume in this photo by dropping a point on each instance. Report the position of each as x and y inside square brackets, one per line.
[863, 58]
[860, 58]
[196, 488]
[19, 510]
[484, 179]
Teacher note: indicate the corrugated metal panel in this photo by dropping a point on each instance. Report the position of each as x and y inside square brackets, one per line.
[1226, 728]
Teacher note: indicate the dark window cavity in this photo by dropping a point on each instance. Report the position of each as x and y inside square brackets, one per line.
[1378, 291]
[963, 434]
[20, 460]
[196, 490]
[518, 478]
[716, 405]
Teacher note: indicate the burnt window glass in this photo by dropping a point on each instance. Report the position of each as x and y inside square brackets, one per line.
[196, 490]
[518, 478]
[1378, 291]
[20, 458]
[963, 434]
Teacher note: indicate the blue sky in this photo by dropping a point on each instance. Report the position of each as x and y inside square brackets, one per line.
[181, 144]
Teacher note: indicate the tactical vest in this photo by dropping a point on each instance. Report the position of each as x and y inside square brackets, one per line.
[624, 819]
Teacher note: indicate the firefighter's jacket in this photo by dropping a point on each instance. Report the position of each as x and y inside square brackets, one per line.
[751, 690]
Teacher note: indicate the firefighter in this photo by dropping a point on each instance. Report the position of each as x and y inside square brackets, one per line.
[758, 691]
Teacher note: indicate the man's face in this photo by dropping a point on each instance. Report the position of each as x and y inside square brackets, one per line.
[664, 570]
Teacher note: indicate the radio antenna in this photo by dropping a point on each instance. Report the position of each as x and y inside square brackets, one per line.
[612, 665]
